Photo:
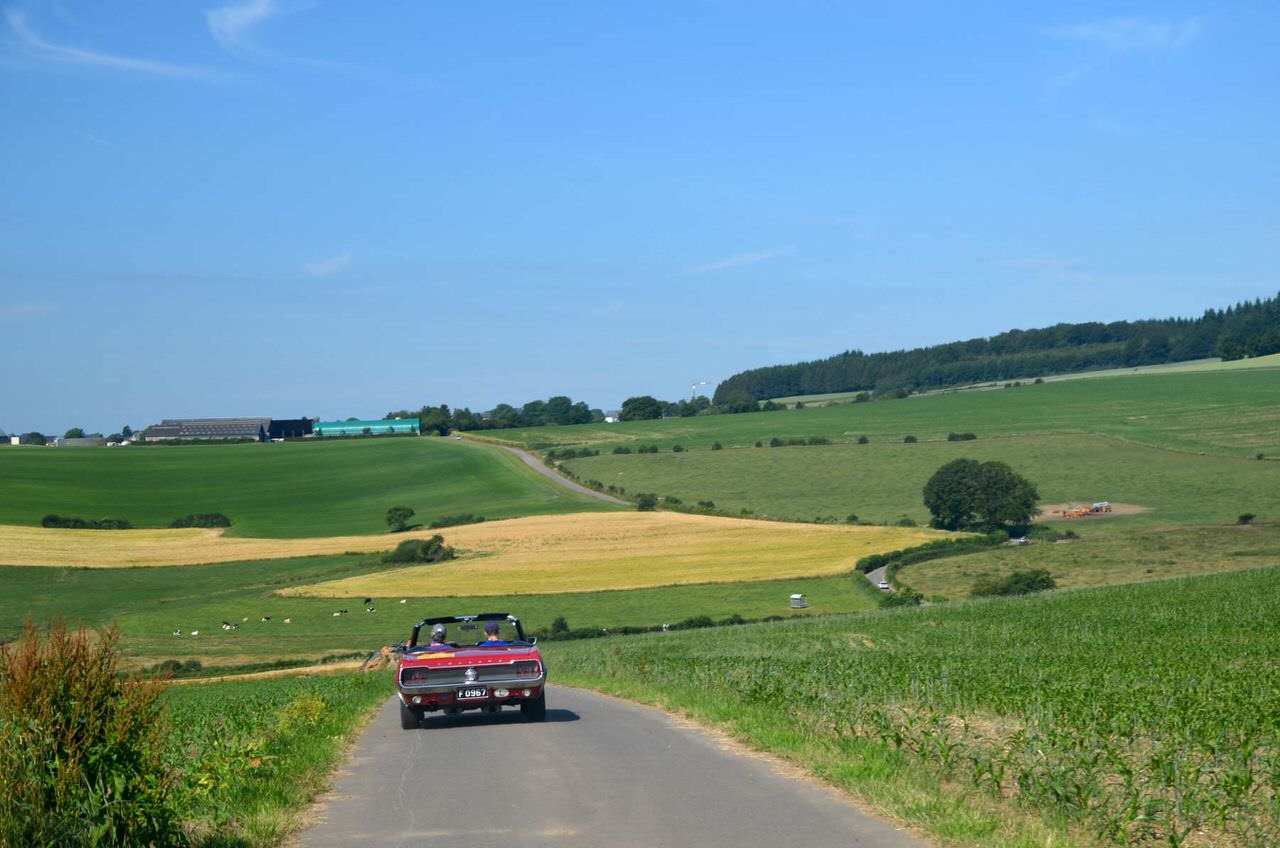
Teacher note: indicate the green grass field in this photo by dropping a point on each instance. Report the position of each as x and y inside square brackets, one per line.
[1109, 552]
[1230, 412]
[884, 479]
[287, 490]
[149, 604]
[249, 755]
[1142, 715]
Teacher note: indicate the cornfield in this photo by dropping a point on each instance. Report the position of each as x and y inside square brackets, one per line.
[1149, 714]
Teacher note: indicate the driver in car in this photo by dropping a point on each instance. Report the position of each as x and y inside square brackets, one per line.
[438, 634]
[491, 639]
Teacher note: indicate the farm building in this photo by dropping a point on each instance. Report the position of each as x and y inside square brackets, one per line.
[365, 428]
[209, 428]
[290, 428]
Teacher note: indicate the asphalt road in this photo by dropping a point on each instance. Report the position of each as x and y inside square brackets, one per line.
[881, 573]
[597, 772]
[540, 467]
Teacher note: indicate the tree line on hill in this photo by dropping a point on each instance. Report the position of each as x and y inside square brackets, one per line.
[562, 410]
[1244, 330]
[536, 413]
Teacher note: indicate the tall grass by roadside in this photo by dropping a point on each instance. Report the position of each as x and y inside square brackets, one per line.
[82, 749]
[89, 757]
[250, 755]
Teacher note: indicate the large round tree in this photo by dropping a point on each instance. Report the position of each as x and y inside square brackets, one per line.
[968, 493]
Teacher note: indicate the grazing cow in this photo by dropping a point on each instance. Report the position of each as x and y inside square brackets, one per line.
[195, 632]
[288, 621]
[368, 601]
[266, 618]
[177, 633]
[370, 609]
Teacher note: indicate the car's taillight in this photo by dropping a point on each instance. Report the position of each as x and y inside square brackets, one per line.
[413, 675]
[528, 668]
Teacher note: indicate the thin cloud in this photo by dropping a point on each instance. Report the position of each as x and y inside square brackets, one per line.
[27, 311]
[103, 143]
[1034, 262]
[739, 259]
[1129, 34]
[232, 25]
[38, 47]
[326, 267]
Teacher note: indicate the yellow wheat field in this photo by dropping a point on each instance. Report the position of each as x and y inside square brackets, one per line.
[624, 550]
[121, 548]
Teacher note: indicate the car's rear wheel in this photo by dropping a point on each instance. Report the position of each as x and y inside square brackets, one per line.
[409, 719]
[535, 709]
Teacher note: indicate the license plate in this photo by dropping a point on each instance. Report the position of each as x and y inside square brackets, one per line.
[473, 692]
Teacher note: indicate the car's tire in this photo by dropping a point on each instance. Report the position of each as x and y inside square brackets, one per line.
[535, 709]
[409, 719]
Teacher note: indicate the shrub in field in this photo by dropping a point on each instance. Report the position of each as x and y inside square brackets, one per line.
[819, 440]
[671, 500]
[707, 504]
[851, 518]
[961, 437]
[455, 520]
[1017, 583]
[202, 519]
[911, 440]
[81, 747]
[904, 597]
[775, 442]
[71, 522]
[928, 551]
[421, 550]
[905, 521]
[559, 625]
[1245, 518]
[716, 446]
[620, 449]
[862, 440]
[646, 502]
[398, 518]
[677, 449]
[759, 444]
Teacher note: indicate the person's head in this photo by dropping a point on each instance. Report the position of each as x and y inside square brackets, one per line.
[438, 633]
[491, 629]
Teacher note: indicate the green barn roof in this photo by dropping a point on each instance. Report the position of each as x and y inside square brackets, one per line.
[357, 428]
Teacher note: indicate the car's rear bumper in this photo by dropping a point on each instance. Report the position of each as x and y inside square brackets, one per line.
[445, 696]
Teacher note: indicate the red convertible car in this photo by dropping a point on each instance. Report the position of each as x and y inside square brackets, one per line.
[470, 662]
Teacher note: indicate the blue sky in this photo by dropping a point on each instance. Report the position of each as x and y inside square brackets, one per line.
[302, 208]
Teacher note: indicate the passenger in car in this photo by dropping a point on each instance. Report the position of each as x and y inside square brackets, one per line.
[491, 639]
